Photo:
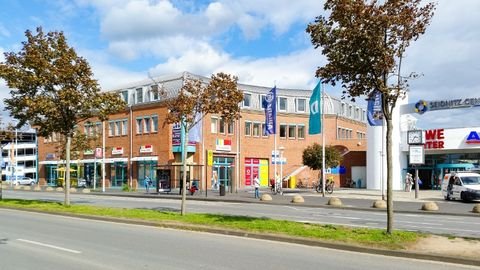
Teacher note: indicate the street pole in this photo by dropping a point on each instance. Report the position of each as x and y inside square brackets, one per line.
[416, 182]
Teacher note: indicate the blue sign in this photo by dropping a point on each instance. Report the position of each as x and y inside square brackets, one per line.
[473, 137]
[374, 110]
[270, 111]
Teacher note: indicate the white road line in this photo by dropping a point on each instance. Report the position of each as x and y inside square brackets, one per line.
[49, 246]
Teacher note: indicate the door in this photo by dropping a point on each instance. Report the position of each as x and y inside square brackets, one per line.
[164, 184]
[457, 188]
[222, 166]
[119, 176]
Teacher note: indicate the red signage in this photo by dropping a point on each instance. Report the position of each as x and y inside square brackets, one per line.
[434, 139]
[248, 176]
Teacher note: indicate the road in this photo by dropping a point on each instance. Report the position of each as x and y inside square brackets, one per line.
[465, 226]
[42, 241]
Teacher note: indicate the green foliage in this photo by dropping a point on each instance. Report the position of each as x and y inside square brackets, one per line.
[358, 236]
[52, 88]
[312, 156]
[126, 188]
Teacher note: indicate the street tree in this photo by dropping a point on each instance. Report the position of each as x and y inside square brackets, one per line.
[364, 43]
[7, 134]
[312, 157]
[53, 89]
[194, 101]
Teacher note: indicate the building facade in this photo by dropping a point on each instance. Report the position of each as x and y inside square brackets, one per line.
[19, 156]
[135, 144]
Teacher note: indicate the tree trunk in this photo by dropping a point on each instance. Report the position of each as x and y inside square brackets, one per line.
[67, 171]
[389, 176]
[184, 169]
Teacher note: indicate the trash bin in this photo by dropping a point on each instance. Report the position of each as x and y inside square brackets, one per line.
[222, 190]
[292, 182]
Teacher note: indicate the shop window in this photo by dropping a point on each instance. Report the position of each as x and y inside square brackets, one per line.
[301, 131]
[291, 131]
[248, 128]
[213, 125]
[283, 131]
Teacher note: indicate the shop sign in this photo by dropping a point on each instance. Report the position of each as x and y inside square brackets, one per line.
[473, 137]
[98, 152]
[117, 151]
[50, 156]
[148, 148]
[435, 139]
[416, 154]
[210, 158]
[423, 106]
[223, 145]
[88, 152]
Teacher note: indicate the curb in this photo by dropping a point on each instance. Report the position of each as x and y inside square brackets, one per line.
[270, 237]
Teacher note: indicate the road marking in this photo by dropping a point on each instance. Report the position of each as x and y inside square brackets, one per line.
[49, 246]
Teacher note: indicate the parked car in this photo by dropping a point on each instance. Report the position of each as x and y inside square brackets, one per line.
[461, 186]
[22, 180]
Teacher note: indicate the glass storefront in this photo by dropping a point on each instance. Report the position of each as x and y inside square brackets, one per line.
[146, 168]
[118, 174]
[51, 175]
[223, 168]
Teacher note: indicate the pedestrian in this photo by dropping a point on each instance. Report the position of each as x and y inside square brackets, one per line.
[408, 182]
[214, 180]
[256, 184]
[147, 183]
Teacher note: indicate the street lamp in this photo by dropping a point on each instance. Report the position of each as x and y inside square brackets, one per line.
[281, 149]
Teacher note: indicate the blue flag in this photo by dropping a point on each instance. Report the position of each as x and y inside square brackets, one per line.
[315, 121]
[270, 105]
[374, 110]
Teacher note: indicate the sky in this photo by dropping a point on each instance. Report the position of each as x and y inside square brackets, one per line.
[262, 42]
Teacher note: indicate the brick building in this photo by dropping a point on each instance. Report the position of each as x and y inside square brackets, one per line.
[137, 144]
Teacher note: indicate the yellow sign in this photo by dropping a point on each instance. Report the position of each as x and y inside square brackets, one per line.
[210, 158]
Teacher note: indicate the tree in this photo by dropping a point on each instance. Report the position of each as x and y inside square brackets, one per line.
[312, 157]
[7, 134]
[196, 100]
[365, 42]
[53, 89]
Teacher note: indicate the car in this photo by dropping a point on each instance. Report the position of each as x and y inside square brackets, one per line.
[22, 180]
[463, 186]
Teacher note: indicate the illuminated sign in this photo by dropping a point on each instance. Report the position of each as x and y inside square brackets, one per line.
[435, 139]
[146, 148]
[117, 150]
[473, 137]
[423, 106]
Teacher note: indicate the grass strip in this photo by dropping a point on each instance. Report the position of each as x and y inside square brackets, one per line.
[340, 234]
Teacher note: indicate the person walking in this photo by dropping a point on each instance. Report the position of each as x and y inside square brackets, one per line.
[408, 182]
[147, 183]
[256, 184]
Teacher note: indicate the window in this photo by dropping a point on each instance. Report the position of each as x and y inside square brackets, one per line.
[357, 113]
[124, 96]
[301, 105]
[111, 128]
[344, 110]
[256, 129]
[146, 124]
[350, 111]
[291, 131]
[139, 126]
[124, 127]
[363, 115]
[139, 94]
[222, 126]
[230, 127]
[282, 104]
[283, 131]
[248, 128]
[118, 125]
[213, 125]
[301, 131]
[262, 100]
[154, 91]
[247, 100]
[154, 123]
[264, 130]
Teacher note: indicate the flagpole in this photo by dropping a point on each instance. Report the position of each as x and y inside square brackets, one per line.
[322, 123]
[275, 139]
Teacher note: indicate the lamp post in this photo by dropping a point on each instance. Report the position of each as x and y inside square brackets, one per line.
[281, 149]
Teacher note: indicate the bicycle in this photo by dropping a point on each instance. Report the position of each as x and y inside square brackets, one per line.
[274, 190]
[328, 187]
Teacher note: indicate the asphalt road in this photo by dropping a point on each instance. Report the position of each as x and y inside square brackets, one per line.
[41, 241]
[465, 226]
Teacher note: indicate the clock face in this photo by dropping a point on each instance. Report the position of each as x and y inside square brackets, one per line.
[415, 137]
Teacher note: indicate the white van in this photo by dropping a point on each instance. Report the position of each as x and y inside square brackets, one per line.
[461, 186]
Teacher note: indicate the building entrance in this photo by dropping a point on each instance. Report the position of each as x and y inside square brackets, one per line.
[223, 168]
